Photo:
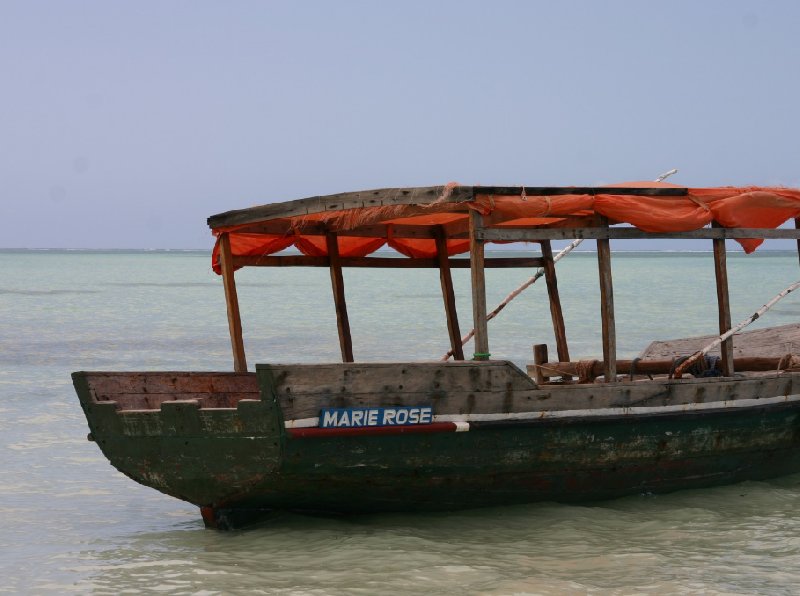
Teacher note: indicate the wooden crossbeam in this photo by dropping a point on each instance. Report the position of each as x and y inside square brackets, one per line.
[385, 262]
[511, 234]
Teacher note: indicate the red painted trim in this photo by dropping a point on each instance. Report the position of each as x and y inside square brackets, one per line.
[360, 431]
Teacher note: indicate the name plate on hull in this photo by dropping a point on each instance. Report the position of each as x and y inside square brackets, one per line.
[357, 417]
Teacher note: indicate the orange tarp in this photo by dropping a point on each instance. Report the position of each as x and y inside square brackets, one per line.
[731, 207]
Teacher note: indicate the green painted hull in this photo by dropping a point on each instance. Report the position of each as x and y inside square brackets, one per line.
[243, 459]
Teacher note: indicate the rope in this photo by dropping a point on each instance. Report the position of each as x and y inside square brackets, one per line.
[634, 362]
[689, 361]
[532, 280]
[585, 370]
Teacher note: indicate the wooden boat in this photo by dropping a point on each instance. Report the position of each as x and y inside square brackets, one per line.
[408, 436]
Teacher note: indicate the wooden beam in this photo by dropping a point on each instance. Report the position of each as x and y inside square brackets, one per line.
[513, 234]
[607, 310]
[651, 367]
[384, 262]
[379, 197]
[555, 302]
[723, 302]
[545, 191]
[449, 296]
[796, 227]
[424, 195]
[232, 302]
[337, 282]
[283, 227]
[478, 278]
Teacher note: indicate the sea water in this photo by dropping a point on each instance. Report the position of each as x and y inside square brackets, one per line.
[69, 522]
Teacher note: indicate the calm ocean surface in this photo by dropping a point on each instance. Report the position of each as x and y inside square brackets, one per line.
[72, 523]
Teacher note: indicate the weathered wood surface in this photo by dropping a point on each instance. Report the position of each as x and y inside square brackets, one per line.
[796, 227]
[458, 228]
[379, 197]
[511, 234]
[544, 191]
[488, 388]
[455, 387]
[556, 313]
[148, 390]
[723, 303]
[478, 279]
[670, 392]
[384, 262]
[607, 310]
[424, 195]
[770, 342]
[546, 369]
[337, 283]
[539, 358]
[449, 296]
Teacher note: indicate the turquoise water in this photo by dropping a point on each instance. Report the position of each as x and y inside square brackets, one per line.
[71, 523]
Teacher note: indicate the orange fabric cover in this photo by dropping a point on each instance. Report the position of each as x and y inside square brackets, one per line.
[349, 246]
[732, 207]
[251, 245]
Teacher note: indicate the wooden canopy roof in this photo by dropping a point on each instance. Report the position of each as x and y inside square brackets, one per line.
[411, 219]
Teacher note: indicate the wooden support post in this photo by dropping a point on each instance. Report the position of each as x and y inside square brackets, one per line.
[478, 288]
[797, 226]
[337, 281]
[555, 302]
[607, 310]
[448, 294]
[232, 302]
[539, 358]
[723, 302]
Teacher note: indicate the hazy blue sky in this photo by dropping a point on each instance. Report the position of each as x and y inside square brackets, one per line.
[125, 124]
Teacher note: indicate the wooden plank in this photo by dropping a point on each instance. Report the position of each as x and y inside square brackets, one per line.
[463, 396]
[112, 383]
[478, 278]
[669, 392]
[337, 281]
[513, 234]
[723, 303]
[769, 342]
[382, 262]
[316, 228]
[607, 310]
[556, 312]
[448, 294]
[580, 190]
[649, 367]
[539, 358]
[380, 377]
[379, 197]
[232, 301]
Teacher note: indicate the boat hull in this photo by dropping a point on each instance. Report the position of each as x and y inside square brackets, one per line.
[234, 462]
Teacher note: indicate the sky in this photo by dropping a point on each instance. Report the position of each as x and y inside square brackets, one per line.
[126, 124]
